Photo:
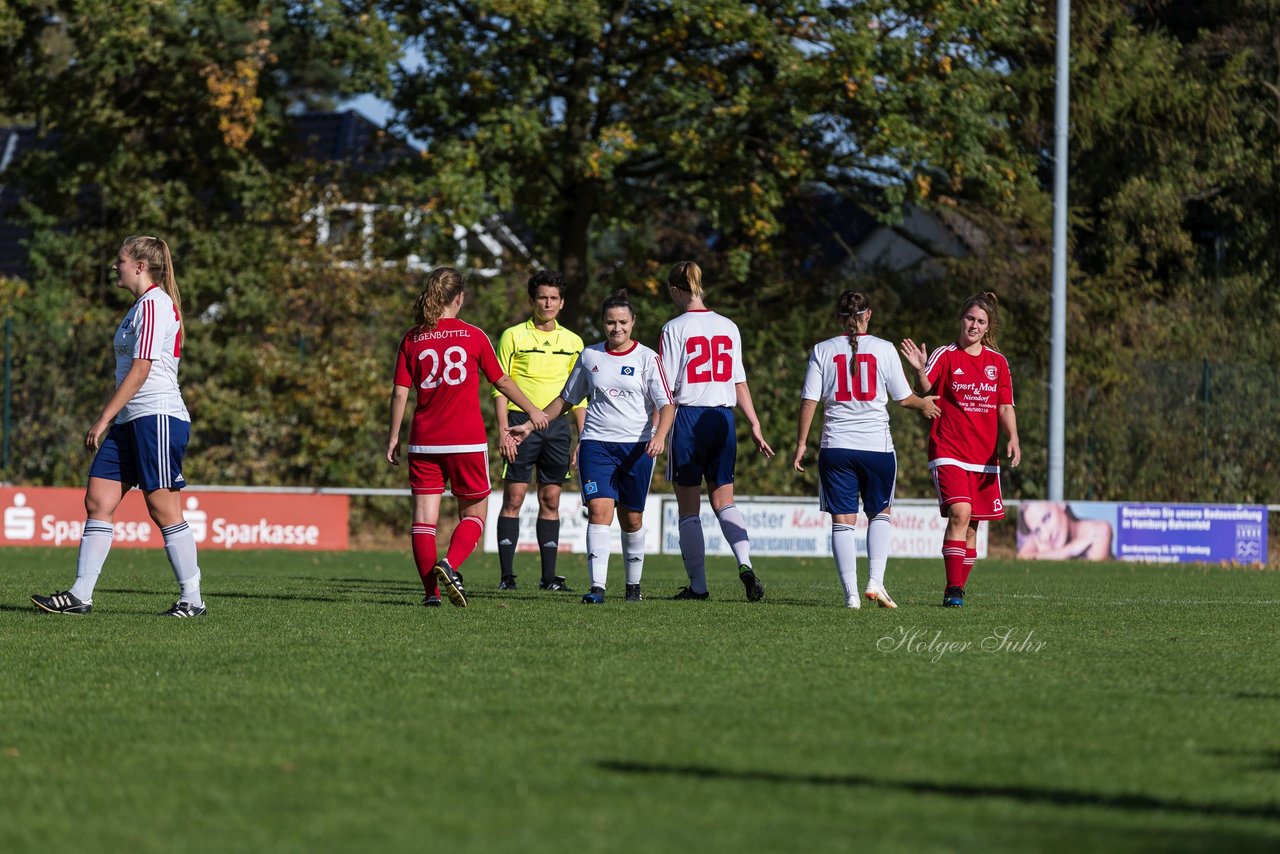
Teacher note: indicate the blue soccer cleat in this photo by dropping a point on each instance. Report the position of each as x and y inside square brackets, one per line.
[595, 597]
[953, 597]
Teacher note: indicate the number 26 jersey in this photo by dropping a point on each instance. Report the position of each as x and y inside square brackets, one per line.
[700, 353]
[443, 366]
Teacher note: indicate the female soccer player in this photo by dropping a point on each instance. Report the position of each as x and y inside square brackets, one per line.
[975, 394]
[700, 353]
[140, 437]
[442, 358]
[622, 383]
[854, 375]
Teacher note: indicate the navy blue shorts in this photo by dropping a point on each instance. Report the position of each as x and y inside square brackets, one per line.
[620, 471]
[146, 452]
[843, 475]
[704, 445]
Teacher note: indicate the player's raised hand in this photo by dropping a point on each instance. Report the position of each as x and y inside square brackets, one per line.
[916, 356]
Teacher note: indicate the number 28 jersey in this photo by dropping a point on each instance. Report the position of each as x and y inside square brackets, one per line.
[855, 391]
[700, 354]
[443, 366]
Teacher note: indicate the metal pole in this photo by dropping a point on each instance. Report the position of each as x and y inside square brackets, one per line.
[1058, 332]
[8, 417]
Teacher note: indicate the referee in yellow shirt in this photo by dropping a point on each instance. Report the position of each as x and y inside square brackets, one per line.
[538, 354]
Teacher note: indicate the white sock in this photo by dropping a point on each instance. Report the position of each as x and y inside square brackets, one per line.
[633, 555]
[845, 547]
[693, 550]
[180, 546]
[95, 543]
[734, 528]
[598, 554]
[878, 548]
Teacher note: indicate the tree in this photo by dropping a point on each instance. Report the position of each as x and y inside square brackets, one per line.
[590, 118]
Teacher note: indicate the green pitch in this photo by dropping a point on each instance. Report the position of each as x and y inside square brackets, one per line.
[320, 707]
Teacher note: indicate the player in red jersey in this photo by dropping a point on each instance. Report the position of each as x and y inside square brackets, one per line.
[975, 394]
[442, 358]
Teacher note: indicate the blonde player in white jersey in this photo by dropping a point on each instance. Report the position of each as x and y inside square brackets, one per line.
[140, 438]
[701, 357]
[623, 386]
[855, 375]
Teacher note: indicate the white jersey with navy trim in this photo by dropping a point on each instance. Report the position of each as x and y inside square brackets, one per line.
[855, 391]
[151, 330]
[701, 357]
[623, 390]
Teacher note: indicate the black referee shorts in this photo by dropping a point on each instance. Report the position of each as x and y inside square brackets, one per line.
[548, 450]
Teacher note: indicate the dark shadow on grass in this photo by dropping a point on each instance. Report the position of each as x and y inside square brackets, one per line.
[1024, 794]
[1255, 695]
[1259, 760]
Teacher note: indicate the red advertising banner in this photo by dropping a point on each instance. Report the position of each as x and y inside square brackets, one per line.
[47, 516]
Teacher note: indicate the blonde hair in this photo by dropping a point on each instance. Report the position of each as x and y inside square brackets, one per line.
[154, 252]
[441, 288]
[986, 300]
[686, 276]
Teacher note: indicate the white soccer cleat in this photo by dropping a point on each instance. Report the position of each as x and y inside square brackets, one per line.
[852, 601]
[877, 594]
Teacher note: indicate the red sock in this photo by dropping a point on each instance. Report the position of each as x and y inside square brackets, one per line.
[423, 538]
[970, 558]
[953, 562]
[464, 539]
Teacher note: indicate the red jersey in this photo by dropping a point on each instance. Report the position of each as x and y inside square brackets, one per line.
[444, 367]
[970, 391]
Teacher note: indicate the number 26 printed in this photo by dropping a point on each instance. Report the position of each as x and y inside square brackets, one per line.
[712, 359]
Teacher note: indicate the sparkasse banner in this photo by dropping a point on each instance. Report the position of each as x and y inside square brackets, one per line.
[52, 516]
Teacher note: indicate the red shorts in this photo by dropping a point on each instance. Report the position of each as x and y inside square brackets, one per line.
[979, 489]
[466, 473]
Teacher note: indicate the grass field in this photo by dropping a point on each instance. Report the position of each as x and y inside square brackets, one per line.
[319, 707]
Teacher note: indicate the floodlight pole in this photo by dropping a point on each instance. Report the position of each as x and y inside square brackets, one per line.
[1058, 331]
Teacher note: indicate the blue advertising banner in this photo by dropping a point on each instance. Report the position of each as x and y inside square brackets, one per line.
[1164, 533]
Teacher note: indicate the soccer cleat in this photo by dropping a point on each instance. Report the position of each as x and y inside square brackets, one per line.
[557, 583]
[595, 597]
[755, 590]
[62, 603]
[877, 593]
[457, 577]
[853, 602]
[185, 609]
[431, 601]
[634, 594]
[953, 597]
[508, 582]
[450, 583]
[689, 593]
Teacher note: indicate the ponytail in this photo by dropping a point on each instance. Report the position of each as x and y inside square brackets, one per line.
[154, 252]
[850, 306]
[441, 288]
[686, 276]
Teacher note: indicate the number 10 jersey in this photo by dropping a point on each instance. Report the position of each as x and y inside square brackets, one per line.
[443, 366]
[855, 391]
